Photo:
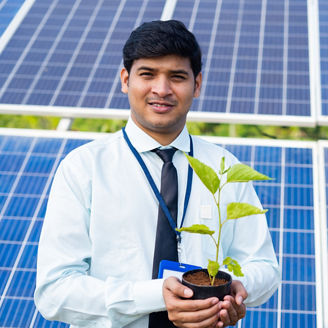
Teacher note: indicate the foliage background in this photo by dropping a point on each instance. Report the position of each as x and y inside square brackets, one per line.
[196, 128]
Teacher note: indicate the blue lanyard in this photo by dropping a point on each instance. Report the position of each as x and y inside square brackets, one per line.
[155, 189]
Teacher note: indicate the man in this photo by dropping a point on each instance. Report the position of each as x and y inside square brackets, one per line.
[98, 240]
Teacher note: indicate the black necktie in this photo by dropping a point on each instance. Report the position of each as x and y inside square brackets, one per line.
[166, 242]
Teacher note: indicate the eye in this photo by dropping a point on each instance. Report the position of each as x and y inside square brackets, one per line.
[178, 77]
[146, 74]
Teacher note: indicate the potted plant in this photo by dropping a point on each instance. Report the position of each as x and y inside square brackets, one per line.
[211, 281]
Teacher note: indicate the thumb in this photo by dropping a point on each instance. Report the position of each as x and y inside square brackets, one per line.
[239, 291]
[175, 286]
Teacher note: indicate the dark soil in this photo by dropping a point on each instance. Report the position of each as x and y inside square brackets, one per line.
[202, 279]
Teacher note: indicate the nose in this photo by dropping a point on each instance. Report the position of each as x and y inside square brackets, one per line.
[162, 87]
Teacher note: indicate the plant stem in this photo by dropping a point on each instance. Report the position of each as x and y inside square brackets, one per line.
[220, 226]
[212, 279]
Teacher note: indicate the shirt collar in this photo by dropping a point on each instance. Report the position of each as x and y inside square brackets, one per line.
[143, 142]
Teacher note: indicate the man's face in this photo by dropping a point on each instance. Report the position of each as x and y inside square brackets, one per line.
[160, 92]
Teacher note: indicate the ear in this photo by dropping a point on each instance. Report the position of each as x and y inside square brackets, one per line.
[198, 85]
[124, 80]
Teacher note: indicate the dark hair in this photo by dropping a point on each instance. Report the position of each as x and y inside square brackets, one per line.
[161, 38]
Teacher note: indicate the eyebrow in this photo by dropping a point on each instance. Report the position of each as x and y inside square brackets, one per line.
[178, 71]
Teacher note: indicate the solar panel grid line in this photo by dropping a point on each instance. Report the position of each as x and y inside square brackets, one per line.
[35, 314]
[50, 53]
[30, 227]
[209, 54]
[298, 282]
[281, 235]
[27, 48]
[314, 59]
[285, 58]
[323, 185]
[192, 20]
[260, 56]
[15, 22]
[2, 3]
[76, 52]
[234, 55]
[168, 9]
[101, 52]
[283, 311]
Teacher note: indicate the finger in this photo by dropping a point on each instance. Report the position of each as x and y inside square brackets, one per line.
[183, 305]
[224, 319]
[233, 315]
[202, 315]
[238, 290]
[200, 319]
[238, 312]
[241, 311]
[207, 323]
[176, 287]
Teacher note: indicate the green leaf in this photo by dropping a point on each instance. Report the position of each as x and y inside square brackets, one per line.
[197, 228]
[222, 165]
[205, 173]
[239, 210]
[213, 268]
[244, 173]
[233, 266]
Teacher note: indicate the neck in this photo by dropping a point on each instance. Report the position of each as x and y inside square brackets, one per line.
[164, 139]
[163, 136]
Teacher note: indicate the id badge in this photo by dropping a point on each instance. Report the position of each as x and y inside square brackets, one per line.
[175, 269]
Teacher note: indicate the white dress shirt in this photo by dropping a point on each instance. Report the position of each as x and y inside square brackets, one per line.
[97, 242]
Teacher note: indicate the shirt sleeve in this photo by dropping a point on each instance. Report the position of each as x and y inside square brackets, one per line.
[252, 247]
[65, 290]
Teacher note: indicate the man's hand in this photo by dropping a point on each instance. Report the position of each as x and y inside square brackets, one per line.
[186, 313]
[232, 306]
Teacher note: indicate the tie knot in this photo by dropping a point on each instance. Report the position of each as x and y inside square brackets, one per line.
[165, 154]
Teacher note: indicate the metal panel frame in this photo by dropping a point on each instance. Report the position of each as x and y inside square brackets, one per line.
[112, 113]
[324, 225]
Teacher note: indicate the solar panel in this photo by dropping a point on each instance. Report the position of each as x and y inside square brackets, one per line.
[27, 165]
[256, 58]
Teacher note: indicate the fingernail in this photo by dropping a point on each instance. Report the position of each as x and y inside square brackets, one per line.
[215, 300]
[187, 292]
[240, 300]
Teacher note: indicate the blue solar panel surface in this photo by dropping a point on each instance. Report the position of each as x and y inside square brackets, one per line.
[8, 10]
[27, 165]
[256, 59]
[256, 55]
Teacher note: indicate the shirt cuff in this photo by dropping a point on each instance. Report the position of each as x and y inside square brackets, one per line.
[148, 296]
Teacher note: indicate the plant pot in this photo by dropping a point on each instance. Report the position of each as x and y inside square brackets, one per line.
[206, 291]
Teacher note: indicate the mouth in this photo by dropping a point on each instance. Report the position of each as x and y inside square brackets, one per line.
[161, 106]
